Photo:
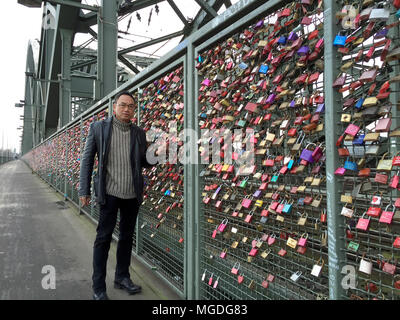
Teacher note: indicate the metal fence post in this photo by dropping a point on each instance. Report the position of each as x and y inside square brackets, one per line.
[139, 234]
[80, 154]
[66, 165]
[191, 185]
[332, 102]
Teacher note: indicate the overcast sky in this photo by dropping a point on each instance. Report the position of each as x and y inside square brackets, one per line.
[19, 24]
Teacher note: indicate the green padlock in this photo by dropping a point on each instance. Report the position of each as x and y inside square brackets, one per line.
[241, 123]
[353, 246]
[244, 182]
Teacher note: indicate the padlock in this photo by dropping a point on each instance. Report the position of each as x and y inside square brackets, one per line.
[271, 239]
[396, 243]
[363, 223]
[215, 232]
[204, 275]
[303, 219]
[340, 40]
[353, 246]
[210, 280]
[387, 215]
[317, 268]
[371, 287]
[307, 154]
[295, 276]
[253, 252]
[249, 217]
[222, 226]
[374, 212]
[397, 282]
[292, 243]
[215, 283]
[235, 268]
[350, 165]
[223, 254]
[365, 266]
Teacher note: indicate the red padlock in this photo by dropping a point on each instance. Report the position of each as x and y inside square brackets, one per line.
[349, 234]
[397, 282]
[371, 287]
[396, 243]
[323, 216]
[394, 182]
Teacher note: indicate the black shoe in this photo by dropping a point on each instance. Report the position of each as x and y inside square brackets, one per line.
[100, 296]
[127, 285]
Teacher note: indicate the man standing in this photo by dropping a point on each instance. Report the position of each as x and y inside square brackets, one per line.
[121, 149]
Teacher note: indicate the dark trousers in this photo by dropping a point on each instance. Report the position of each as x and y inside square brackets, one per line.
[108, 217]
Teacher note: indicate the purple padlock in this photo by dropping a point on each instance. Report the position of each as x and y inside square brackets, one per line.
[259, 24]
[303, 51]
[292, 104]
[381, 34]
[293, 36]
[307, 154]
[257, 193]
[320, 108]
[271, 98]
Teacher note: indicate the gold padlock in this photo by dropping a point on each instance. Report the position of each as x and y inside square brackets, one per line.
[252, 284]
[292, 243]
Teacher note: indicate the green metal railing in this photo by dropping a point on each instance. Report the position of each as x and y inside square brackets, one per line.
[215, 73]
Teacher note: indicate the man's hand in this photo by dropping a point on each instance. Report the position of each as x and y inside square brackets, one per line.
[85, 200]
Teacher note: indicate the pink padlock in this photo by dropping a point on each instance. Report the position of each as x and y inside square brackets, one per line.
[303, 240]
[387, 216]
[253, 252]
[222, 226]
[249, 217]
[340, 171]
[317, 153]
[246, 202]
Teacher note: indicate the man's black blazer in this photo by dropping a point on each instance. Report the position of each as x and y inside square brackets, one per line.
[98, 141]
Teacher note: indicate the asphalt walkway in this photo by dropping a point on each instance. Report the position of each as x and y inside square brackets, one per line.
[40, 235]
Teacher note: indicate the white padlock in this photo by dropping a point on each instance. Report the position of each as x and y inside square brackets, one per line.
[317, 268]
[295, 276]
[365, 266]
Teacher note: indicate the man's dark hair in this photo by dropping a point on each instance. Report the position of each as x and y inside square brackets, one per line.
[124, 93]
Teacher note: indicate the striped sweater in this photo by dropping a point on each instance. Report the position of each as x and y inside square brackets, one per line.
[119, 180]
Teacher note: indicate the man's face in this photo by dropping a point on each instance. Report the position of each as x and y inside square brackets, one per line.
[124, 108]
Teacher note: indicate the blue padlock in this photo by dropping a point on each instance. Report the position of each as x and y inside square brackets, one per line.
[290, 164]
[263, 69]
[340, 40]
[359, 103]
[243, 66]
[359, 140]
[350, 165]
[287, 208]
[274, 178]
[282, 40]
[398, 14]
